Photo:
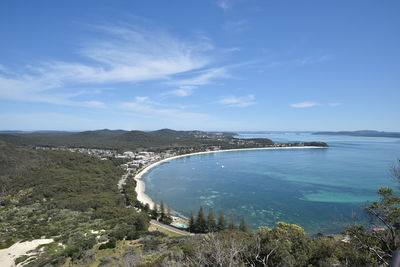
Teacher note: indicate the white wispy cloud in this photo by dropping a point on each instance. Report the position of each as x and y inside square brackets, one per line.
[313, 60]
[238, 101]
[335, 104]
[313, 104]
[183, 91]
[233, 49]
[236, 25]
[124, 54]
[304, 105]
[153, 109]
[93, 104]
[3, 68]
[202, 77]
[35, 89]
[223, 4]
[141, 98]
[299, 62]
[132, 55]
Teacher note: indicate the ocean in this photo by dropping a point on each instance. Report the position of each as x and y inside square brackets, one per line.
[322, 190]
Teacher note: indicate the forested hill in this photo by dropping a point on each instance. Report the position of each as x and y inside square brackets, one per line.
[68, 180]
[65, 195]
[364, 133]
[118, 139]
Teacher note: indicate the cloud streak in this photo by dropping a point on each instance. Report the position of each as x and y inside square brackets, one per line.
[183, 91]
[313, 104]
[304, 105]
[299, 62]
[223, 4]
[313, 60]
[238, 101]
[335, 104]
[132, 55]
[150, 108]
[35, 89]
[202, 77]
[124, 55]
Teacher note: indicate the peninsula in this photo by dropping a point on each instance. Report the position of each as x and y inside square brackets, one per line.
[179, 142]
[363, 133]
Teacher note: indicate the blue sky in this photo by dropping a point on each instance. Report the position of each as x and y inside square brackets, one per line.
[207, 65]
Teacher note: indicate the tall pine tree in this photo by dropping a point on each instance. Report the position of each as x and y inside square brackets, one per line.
[146, 208]
[243, 225]
[232, 223]
[167, 216]
[168, 211]
[192, 227]
[201, 223]
[211, 224]
[154, 212]
[221, 222]
[162, 210]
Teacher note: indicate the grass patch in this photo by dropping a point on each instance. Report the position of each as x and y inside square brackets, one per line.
[21, 259]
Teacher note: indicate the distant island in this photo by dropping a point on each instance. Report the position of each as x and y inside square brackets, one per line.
[365, 133]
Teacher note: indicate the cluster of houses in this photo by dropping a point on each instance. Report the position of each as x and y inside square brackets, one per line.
[101, 153]
[241, 142]
[137, 160]
[214, 136]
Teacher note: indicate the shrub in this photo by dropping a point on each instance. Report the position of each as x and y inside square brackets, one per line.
[112, 243]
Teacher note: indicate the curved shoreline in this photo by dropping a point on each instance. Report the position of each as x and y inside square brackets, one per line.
[140, 185]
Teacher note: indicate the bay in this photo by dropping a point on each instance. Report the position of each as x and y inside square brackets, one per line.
[322, 190]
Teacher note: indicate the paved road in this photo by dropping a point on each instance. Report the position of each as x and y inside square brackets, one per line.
[170, 228]
[122, 181]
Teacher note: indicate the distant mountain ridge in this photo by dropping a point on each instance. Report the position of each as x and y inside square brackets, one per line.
[364, 133]
[116, 139]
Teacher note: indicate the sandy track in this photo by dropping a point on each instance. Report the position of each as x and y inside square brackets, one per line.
[8, 255]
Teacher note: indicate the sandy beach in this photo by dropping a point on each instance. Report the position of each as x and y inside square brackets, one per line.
[140, 185]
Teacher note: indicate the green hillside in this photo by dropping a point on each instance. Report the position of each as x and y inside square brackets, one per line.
[64, 195]
[124, 140]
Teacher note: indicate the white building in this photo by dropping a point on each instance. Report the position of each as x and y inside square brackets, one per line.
[129, 154]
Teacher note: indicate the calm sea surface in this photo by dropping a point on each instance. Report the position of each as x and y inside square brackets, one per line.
[322, 190]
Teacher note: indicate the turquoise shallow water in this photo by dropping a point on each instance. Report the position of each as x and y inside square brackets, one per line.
[323, 190]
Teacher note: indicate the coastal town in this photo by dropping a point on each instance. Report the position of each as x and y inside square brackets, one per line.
[136, 160]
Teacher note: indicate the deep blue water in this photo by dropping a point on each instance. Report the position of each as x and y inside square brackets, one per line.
[322, 190]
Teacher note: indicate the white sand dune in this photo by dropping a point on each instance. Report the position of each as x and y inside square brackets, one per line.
[8, 255]
[140, 185]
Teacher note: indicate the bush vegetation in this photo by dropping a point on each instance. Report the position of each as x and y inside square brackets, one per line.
[70, 196]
